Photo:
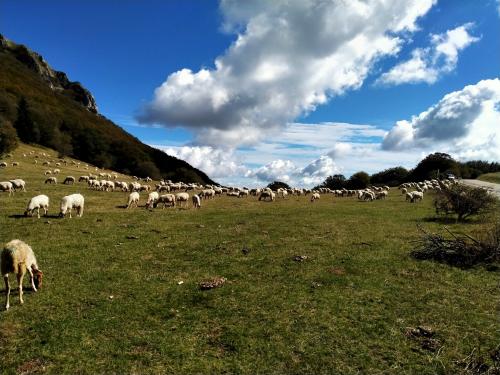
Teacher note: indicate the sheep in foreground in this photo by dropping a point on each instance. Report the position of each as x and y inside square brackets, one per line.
[35, 203]
[51, 180]
[3, 164]
[182, 198]
[196, 201]
[18, 257]
[69, 202]
[409, 197]
[7, 186]
[314, 196]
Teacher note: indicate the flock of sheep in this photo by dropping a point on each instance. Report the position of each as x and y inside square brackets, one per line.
[17, 257]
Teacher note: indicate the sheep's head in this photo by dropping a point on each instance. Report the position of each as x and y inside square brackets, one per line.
[37, 278]
[26, 213]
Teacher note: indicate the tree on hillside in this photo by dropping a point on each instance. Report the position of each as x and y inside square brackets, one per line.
[359, 180]
[436, 165]
[335, 182]
[27, 129]
[8, 137]
[278, 184]
[392, 176]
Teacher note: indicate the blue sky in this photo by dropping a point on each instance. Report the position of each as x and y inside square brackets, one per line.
[277, 106]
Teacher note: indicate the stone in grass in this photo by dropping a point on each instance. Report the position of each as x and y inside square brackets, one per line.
[424, 336]
[300, 258]
[212, 283]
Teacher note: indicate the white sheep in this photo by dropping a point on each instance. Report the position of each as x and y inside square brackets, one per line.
[6, 186]
[152, 199]
[69, 202]
[18, 257]
[18, 184]
[47, 172]
[133, 198]
[409, 196]
[196, 201]
[3, 164]
[267, 194]
[417, 196]
[69, 180]
[167, 199]
[314, 196]
[57, 171]
[182, 197]
[40, 201]
[51, 180]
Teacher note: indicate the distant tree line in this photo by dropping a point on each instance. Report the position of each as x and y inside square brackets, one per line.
[437, 165]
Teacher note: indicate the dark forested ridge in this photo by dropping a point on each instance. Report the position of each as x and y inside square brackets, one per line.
[45, 107]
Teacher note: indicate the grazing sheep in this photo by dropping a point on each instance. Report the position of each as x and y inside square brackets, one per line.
[152, 199]
[40, 201]
[47, 172]
[208, 193]
[314, 196]
[381, 194]
[69, 202]
[7, 186]
[267, 194]
[51, 180]
[15, 164]
[196, 201]
[83, 178]
[18, 257]
[409, 197]
[417, 196]
[3, 164]
[133, 198]
[69, 180]
[404, 190]
[182, 197]
[167, 199]
[18, 184]
[56, 171]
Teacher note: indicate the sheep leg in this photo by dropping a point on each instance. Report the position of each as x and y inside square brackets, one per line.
[70, 212]
[32, 280]
[38, 212]
[7, 290]
[20, 276]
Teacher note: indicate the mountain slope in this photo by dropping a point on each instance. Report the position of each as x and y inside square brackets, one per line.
[63, 116]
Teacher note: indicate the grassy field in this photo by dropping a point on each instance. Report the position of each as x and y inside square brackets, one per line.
[112, 302]
[490, 177]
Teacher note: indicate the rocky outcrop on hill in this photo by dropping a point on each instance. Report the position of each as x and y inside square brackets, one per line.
[57, 81]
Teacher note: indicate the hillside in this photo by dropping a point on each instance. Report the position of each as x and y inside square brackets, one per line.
[62, 115]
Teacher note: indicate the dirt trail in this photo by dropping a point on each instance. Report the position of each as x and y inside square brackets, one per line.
[495, 188]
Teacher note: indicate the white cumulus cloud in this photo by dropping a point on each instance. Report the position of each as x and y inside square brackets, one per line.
[288, 58]
[429, 64]
[465, 123]
[215, 162]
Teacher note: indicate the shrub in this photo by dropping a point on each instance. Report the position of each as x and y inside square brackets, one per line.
[8, 137]
[460, 250]
[464, 201]
[277, 185]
